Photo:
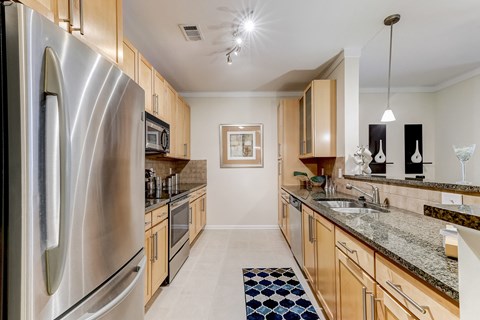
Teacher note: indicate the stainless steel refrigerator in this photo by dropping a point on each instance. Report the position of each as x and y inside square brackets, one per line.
[72, 196]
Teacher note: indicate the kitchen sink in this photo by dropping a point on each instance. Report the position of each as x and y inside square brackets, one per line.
[356, 210]
[340, 204]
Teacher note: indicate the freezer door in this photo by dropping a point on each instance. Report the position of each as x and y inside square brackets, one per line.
[120, 298]
[76, 165]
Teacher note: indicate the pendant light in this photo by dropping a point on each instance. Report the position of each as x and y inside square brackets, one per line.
[390, 21]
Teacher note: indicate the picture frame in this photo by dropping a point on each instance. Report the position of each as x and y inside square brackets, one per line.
[241, 145]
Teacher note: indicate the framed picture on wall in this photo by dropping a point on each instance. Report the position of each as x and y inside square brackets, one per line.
[241, 145]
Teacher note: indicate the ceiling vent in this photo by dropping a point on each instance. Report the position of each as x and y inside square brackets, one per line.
[191, 32]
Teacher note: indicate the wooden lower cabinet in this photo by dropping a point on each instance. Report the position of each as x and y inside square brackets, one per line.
[160, 254]
[156, 252]
[388, 309]
[284, 218]
[198, 216]
[355, 290]
[325, 265]
[148, 269]
[308, 226]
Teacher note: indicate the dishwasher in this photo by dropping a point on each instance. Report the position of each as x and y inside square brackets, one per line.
[296, 234]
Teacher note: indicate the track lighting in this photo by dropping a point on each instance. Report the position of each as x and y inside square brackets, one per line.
[241, 35]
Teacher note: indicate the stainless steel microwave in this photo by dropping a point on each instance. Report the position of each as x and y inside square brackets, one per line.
[157, 135]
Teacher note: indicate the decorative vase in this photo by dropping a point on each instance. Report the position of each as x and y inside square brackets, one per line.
[416, 157]
[463, 154]
[380, 157]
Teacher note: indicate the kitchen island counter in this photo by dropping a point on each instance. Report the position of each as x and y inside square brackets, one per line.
[409, 239]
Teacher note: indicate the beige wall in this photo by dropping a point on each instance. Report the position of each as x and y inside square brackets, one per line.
[237, 197]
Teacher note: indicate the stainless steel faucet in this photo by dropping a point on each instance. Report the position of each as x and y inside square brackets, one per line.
[375, 196]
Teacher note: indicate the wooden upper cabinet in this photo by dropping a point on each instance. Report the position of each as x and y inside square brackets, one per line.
[145, 80]
[47, 8]
[130, 60]
[178, 127]
[100, 23]
[162, 108]
[186, 130]
[318, 120]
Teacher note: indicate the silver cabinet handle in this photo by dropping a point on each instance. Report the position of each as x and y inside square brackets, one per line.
[185, 150]
[398, 289]
[147, 223]
[364, 303]
[372, 305]
[57, 169]
[113, 303]
[80, 7]
[190, 216]
[152, 249]
[156, 245]
[310, 237]
[344, 244]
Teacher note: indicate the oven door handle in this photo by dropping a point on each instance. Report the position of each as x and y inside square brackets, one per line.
[178, 203]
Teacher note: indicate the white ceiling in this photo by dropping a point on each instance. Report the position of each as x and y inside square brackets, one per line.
[435, 40]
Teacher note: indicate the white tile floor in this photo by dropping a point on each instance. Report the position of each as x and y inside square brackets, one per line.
[210, 283]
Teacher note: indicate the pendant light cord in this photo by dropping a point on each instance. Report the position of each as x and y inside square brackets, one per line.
[389, 66]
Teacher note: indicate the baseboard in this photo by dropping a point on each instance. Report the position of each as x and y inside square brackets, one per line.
[241, 227]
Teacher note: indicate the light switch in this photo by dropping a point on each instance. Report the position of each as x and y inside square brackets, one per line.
[451, 198]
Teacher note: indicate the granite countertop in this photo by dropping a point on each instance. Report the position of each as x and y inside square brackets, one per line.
[424, 184]
[463, 215]
[165, 198]
[410, 239]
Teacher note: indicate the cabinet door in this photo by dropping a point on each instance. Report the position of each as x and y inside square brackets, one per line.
[179, 133]
[308, 122]
[160, 97]
[192, 222]
[325, 270]
[308, 244]
[130, 60]
[172, 106]
[302, 126]
[203, 210]
[160, 254]
[355, 290]
[145, 80]
[186, 130]
[47, 8]
[148, 271]
[198, 218]
[283, 220]
[388, 309]
[99, 23]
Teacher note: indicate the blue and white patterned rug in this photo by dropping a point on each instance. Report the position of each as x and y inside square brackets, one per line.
[276, 294]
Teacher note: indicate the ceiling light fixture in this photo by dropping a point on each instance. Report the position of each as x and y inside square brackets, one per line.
[241, 32]
[248, 25]
[388, 115]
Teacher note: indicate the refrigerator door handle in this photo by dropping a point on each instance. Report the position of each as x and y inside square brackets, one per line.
[55, 171]
[112, 304]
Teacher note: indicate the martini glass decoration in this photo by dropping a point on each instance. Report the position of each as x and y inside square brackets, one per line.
[463, 154]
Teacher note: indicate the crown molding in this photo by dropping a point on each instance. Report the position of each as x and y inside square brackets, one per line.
[426, 89]
[242, 94]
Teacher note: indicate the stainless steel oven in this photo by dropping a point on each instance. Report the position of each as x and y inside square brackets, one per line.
[157, 135]
[179, 244]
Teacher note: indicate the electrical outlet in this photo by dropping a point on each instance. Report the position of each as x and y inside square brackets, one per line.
[451, 198]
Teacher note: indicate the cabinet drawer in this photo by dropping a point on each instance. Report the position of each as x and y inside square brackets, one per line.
[160, 214]
[148, 220]
[387, 308]
[356, 251]
[418, 298]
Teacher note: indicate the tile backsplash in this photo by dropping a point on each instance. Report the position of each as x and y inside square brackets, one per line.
[191, 171]
[406, 198]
